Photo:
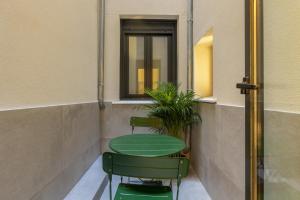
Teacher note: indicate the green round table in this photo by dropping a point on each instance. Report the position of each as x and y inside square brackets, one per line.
[147, 145]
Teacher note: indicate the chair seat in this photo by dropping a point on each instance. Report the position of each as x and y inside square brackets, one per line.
[143, 192]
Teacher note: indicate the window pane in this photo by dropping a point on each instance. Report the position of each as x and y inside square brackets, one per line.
[145, 57]
[160, 61]
[136, 65]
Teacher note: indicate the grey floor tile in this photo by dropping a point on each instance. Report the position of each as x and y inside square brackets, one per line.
[89, 184]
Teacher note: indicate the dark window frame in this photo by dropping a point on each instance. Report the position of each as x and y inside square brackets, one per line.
[148, 28]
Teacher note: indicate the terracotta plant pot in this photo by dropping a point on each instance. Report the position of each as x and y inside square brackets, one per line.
[186, 153]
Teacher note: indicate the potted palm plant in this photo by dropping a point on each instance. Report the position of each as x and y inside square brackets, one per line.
[175, 109]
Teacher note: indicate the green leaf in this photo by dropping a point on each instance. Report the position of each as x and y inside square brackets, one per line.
[175, 109]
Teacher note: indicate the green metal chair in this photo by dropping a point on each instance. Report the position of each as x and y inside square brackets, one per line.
[144, 167]
[150, 122]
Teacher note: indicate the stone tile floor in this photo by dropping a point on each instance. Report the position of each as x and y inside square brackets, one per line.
[91, 184]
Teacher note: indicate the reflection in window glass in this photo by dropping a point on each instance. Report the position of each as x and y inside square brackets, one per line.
[136, 65]
[160, 61]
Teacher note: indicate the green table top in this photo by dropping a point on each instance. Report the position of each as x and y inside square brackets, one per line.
[148, 145]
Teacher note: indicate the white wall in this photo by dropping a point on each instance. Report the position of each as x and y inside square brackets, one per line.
[218, 142]
[48, 52]
[281, 55]
[226, 18]
[117, 8]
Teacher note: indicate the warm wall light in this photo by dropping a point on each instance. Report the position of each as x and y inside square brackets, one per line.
[155, 78]
[141, 81]
[203, 66]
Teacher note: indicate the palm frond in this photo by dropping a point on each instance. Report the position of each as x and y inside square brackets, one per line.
[175, 109]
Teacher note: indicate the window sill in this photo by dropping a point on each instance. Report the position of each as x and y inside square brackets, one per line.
[132, 102]
[210, 100]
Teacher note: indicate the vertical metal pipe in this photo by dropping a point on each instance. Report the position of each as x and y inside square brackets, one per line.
[190, 51]
[101, 44]
[190, 59]
[254, 121]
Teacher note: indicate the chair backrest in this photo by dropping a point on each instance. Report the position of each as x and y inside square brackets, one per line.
[145, 167]
[150, 122]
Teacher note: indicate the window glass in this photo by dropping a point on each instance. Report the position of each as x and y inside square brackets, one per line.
[136, 65]
[159, 61]
[148, 56]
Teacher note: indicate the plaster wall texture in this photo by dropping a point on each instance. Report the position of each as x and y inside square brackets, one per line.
[226, 20]
[48, 71]
[48, 52]
[281, 55]
[218, 142]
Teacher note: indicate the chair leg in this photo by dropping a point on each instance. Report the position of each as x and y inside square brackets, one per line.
[110, 192]
[178, 186]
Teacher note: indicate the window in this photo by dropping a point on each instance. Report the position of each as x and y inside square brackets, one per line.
[148, 56]
[203, 66]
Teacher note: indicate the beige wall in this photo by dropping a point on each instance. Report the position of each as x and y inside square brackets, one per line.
[226, 18]
[281, 55]
[48, 56]
[117, 8]
[218, 142]
[48, 52]
[282, 93]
